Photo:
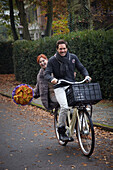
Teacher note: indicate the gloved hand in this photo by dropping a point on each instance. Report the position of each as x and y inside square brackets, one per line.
[36, 96]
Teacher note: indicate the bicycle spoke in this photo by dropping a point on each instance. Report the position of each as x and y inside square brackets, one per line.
[85, 133]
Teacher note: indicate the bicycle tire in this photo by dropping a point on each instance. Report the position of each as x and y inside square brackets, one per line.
[56, 129]
[86, 136]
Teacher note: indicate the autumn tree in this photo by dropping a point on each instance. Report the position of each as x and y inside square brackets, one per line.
[102, 12]
[7, 6]
[8, 20]
[23, 19]
[60, 17]
[49, 17]
[15, 36]
[55, 13]
[79, 14]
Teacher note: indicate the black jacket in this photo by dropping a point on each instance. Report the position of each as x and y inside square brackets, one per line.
[54, 67]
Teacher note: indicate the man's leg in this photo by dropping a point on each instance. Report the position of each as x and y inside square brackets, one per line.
[62, 100]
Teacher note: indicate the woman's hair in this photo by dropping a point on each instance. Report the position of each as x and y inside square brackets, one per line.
[61, 42]
[41, 55]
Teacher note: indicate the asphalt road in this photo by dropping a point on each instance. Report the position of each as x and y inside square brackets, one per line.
[27, 142]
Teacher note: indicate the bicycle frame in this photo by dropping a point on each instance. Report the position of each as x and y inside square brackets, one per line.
[72, 122]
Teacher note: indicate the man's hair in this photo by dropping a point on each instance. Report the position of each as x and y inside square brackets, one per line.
[61, 42]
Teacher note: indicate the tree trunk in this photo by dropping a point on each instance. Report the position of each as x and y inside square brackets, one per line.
[86, 14]
[15, 36]
[23, 20]
[49, 18]
[74, 6]
[90, 17]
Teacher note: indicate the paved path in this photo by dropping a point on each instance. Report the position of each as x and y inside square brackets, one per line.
[102, 112]
[28, 142]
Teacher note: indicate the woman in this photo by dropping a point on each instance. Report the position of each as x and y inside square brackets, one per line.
[43, 89]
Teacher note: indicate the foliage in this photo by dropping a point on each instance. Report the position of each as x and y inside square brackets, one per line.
[24, 52]
[56, 13]
[79, 15]
[94, 49]
[23, 19]
[6, 61]
[102, 14]
[4, 14]
[60, 26]
[3, 33]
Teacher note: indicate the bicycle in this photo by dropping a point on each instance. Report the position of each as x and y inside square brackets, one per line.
[78, 121]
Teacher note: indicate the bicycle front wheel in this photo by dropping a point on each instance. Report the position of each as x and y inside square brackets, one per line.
[85, 133]
[56, 128]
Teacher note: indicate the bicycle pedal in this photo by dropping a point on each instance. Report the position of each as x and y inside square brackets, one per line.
[86, 132]
[70, 139]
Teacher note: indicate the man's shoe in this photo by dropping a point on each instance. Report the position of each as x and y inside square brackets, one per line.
[62, 136]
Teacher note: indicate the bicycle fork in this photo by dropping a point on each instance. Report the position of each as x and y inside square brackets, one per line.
[83, 124]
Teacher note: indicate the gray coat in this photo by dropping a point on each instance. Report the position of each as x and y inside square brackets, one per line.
[43, 90]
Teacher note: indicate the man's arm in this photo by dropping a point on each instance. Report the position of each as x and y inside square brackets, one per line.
[81, 68]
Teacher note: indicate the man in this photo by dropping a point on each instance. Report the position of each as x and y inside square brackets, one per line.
[63, 65]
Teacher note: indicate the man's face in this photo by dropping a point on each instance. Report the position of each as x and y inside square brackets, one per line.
[62, 49]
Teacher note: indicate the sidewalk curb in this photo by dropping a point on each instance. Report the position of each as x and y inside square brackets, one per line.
[102, 126]
[32, 103]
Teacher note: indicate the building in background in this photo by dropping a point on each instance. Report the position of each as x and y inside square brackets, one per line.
[36, 21]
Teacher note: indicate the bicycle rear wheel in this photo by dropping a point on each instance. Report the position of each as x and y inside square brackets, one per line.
[56, 128]
[85, 133]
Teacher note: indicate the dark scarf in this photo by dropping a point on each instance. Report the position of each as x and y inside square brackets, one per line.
[64, 63]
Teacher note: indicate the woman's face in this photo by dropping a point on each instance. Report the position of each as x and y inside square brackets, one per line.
[43, 63]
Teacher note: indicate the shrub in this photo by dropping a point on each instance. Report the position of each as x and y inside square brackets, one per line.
[93, 48]
[6, 61]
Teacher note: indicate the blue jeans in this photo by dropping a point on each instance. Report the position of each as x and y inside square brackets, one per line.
[62, 100]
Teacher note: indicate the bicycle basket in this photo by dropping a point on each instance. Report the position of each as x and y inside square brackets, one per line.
[88, 93]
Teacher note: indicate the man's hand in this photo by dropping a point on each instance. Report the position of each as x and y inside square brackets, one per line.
[88, 78]
[54, 81]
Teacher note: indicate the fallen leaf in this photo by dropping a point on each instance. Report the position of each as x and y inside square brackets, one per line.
[44, 131]
[50, 154]
[36, 134]
[67, 156]
[84, 164]
[1, 162]
[73, 166]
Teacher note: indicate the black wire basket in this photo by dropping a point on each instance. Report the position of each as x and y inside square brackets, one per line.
[88, 93]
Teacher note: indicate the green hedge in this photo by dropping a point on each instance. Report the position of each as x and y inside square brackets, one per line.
[94, 49]
[6, 61]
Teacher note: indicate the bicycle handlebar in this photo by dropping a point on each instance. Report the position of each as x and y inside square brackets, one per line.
[61, 81]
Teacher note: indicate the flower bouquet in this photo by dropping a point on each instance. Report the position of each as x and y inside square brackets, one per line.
[22, 94]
